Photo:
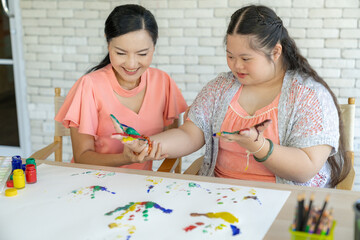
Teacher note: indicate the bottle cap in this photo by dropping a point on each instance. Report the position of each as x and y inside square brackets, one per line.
[18, 172]
[10, 183]
[10, 192]
[30, 161]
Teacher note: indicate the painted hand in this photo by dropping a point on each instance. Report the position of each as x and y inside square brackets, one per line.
[134, 142]
[137, 148]
[248, 136]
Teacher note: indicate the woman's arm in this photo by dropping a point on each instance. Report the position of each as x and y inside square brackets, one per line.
[173, 143]
[295, 164]
[83, 146]
[181, 141]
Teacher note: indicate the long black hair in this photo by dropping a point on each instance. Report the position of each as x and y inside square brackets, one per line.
[124, 19]
[267, 29]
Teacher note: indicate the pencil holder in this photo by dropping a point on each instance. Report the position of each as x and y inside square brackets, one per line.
[298, 235]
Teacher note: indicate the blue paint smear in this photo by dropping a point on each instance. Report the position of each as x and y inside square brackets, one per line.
[162, 209]
[150, 187]
[235, 230]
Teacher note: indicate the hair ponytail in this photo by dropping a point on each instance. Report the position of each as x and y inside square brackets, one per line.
[293, 60]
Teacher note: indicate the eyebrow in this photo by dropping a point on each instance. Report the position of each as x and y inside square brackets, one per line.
[142, 50]
[244, 54]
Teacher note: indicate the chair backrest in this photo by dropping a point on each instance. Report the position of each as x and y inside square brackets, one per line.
[56, 146]
[348, 117]
[60, 130]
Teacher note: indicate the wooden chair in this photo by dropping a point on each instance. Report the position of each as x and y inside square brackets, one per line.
[348, 116]
[168, 165]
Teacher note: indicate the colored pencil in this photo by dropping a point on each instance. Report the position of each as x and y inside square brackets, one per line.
[307, 212]
[300, 212]
[321, 213]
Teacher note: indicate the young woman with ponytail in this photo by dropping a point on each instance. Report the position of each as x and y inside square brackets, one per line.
[274, 118]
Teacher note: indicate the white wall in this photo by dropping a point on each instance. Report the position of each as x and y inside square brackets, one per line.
[63, 39]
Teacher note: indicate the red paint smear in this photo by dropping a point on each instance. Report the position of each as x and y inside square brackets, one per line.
[218, 199]
[189, 228]
[224, 196]
[199, 223]
[138, 210]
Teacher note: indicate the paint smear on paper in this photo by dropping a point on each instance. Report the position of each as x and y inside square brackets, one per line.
[226, 216]
[98, 174]
[153, 181]
[91, 190]
[133, 208]
[186, 187]
[252, 197]
[136, 207]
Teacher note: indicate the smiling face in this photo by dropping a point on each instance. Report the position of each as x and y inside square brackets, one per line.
[130, 55]
[250, 67]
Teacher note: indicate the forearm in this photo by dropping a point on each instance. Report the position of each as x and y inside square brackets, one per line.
[293, 163]
[180, 141]
[94, 158]
[83, 146]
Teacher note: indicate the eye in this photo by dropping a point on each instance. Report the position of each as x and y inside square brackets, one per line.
[120, 53]
[246, 59]
[230, 57]
[143, 54]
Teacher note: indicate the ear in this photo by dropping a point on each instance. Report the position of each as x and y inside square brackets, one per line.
[276, 52]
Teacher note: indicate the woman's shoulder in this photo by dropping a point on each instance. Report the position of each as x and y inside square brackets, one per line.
[100, 73]
[97, 77]
[222, 81]
[296, 81]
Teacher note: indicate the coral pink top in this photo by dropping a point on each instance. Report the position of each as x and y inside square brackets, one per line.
[232, 161]
[92, 99]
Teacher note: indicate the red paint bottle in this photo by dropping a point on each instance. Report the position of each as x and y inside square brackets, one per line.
[30, 173]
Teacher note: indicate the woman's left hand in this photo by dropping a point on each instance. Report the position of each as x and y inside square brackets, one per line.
[249, 138]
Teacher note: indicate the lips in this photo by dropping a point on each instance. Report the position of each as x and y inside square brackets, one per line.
[241, 75]
[130, 71]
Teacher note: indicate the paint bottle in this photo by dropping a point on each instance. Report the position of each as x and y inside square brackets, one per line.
[31, 161]
[19, 178]
[30, 173]
[16, 162]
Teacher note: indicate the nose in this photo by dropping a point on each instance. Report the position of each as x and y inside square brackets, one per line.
[238, 64]
[131, 61]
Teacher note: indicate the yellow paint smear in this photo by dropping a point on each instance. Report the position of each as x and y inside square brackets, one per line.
[226, 216]
[128, 139]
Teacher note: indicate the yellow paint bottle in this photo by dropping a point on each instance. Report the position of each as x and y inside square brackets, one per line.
[19, 178]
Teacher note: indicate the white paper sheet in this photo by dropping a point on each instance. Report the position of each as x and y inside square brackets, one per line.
[72, 203]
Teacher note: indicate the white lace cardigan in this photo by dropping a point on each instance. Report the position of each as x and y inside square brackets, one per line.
[307, 116]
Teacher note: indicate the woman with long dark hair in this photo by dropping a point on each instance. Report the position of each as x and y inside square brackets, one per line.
[124, 85]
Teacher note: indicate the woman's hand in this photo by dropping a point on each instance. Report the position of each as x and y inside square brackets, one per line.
[249, 138]
[137, 150]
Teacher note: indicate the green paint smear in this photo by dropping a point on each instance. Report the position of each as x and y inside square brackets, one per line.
[192, 184]
[149, 205]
